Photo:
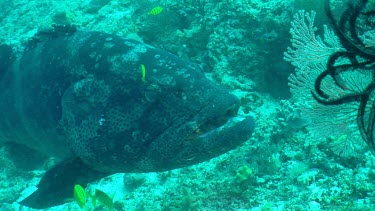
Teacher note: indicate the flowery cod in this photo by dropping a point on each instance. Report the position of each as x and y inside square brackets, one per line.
[103, 104]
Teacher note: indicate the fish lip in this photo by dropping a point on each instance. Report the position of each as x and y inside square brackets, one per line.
[198, 133]
[217, 123]
[230, 123]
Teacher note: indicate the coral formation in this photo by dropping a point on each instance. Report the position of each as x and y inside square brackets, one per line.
[288, 164]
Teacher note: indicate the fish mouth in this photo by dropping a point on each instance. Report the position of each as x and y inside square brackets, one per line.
[215, 136]
[215, 124]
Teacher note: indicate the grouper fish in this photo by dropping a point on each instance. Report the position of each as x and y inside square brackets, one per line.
[103, 104]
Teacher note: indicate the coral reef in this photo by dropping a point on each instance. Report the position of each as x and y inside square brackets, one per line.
[284, 166]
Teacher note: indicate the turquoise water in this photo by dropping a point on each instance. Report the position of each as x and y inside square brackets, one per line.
[302, 155]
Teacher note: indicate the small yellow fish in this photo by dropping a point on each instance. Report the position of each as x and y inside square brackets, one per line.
[156, 10]
[80, 196]
[104, 199]
[143, 69]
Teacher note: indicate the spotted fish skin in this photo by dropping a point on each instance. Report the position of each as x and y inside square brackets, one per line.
[79, 96]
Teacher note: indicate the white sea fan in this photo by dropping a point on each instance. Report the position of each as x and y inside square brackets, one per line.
[309, 55]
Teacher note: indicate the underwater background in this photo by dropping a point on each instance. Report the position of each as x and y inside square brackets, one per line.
[302, 156]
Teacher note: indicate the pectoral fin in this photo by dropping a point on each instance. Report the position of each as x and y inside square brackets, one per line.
[57, 184]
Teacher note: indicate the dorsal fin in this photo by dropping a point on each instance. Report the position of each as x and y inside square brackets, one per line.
[52, 33]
